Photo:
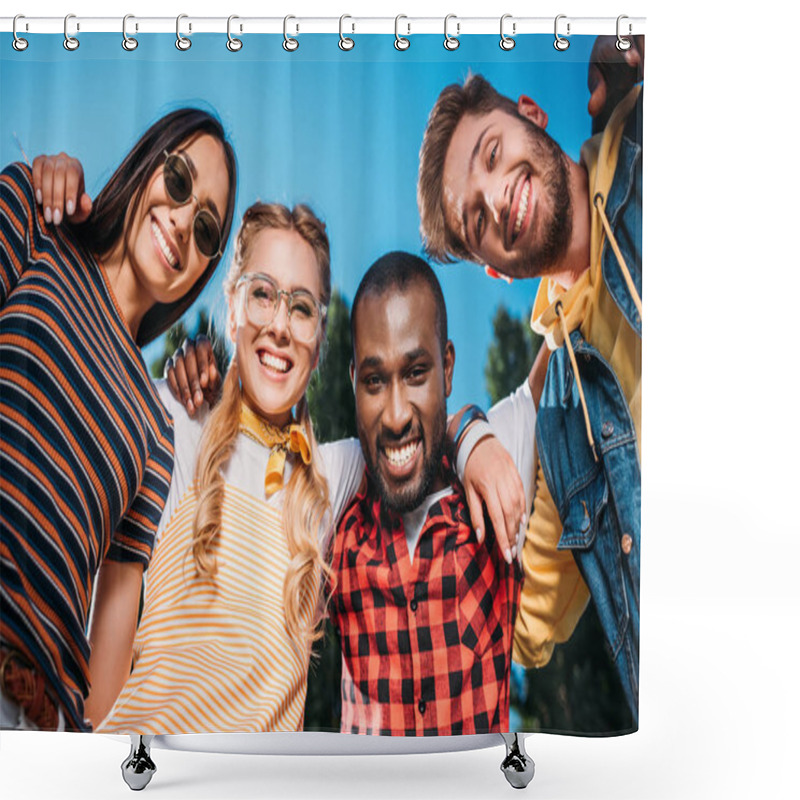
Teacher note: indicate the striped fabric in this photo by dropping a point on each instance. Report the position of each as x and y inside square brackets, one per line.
[86, 448]
[214, 655]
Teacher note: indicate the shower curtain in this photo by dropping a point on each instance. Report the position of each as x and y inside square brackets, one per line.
[485, 225]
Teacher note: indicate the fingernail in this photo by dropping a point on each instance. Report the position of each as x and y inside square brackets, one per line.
[508, 556]
[39, 196]
[48, 215]
[70, 208]
[479, 535]
[57, 217]
[198, 397]
[203, 379]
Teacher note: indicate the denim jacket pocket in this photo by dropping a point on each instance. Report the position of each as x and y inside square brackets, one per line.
[584, 514]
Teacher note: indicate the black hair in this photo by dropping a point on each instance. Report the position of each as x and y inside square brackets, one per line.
[399, 270]
[106, 224]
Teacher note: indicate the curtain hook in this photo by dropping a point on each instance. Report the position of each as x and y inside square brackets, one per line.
[401, 42]
[451, 42]
[507, 42]
[290, 44]
[19, 44]
[181, 41]
[129, 43]
[561, 43]
[622, 43]
[70, 42]
[233, 44]
[345, 42]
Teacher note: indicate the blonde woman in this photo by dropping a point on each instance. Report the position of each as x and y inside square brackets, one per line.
[232, 592]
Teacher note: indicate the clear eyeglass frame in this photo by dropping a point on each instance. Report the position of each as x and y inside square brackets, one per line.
[303, 328]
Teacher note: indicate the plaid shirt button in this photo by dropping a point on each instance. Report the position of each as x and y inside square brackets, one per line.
[413, 605]
[421, 706]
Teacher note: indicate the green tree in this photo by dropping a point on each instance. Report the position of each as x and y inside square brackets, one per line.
[177, 335]
[333, 409]
[173, 339]
[510, 355]
[330, 393]
[579, 689]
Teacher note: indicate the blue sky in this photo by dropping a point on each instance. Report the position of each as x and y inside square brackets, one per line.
[340, 131]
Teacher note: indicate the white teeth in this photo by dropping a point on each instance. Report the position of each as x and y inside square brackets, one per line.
[401, 455]
[523, 207]
[162, 243]
[279, 364]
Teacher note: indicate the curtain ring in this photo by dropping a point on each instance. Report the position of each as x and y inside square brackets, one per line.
[622, 43]
[129, 43]
[507, 42]
[70, 42]
[233, 44]
[181, 42]
[451, 42]
[400, 42]
[345, 42]
[19, 44]
[290, 44]
[561, 43]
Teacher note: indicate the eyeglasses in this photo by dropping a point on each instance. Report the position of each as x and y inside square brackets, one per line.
[178, 183]
[260, 297]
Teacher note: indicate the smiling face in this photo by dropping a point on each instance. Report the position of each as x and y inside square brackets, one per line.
[274, 368]
[506, 193]
[160, 242]
[402, 381]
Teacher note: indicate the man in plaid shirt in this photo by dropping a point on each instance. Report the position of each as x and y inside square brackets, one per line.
[424, 604]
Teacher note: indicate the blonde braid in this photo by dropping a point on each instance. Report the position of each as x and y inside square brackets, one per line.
[216, 448]
[306, 510]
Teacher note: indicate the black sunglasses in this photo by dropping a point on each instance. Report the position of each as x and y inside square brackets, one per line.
[178, 183]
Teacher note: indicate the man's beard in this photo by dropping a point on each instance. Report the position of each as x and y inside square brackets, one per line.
[551, 245]
[410, 496]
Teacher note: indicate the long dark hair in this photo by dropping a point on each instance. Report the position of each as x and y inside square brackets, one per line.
[106, 224]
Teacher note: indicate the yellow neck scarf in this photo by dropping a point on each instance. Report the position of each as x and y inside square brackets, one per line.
[293, 437]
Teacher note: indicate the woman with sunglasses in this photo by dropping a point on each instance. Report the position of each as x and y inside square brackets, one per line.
[86, 453]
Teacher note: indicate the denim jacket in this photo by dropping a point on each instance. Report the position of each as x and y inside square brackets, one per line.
[597, 491]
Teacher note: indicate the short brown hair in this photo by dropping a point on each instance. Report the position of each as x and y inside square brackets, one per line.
[475, 96]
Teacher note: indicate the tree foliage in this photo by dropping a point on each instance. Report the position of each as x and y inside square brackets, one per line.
[510, 355]
[179, 332]
[330, 393]
[333, 409]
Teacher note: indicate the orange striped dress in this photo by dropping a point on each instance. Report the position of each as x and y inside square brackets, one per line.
[215, 656]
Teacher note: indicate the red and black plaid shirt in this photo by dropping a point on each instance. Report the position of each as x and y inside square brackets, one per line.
[426, 645]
